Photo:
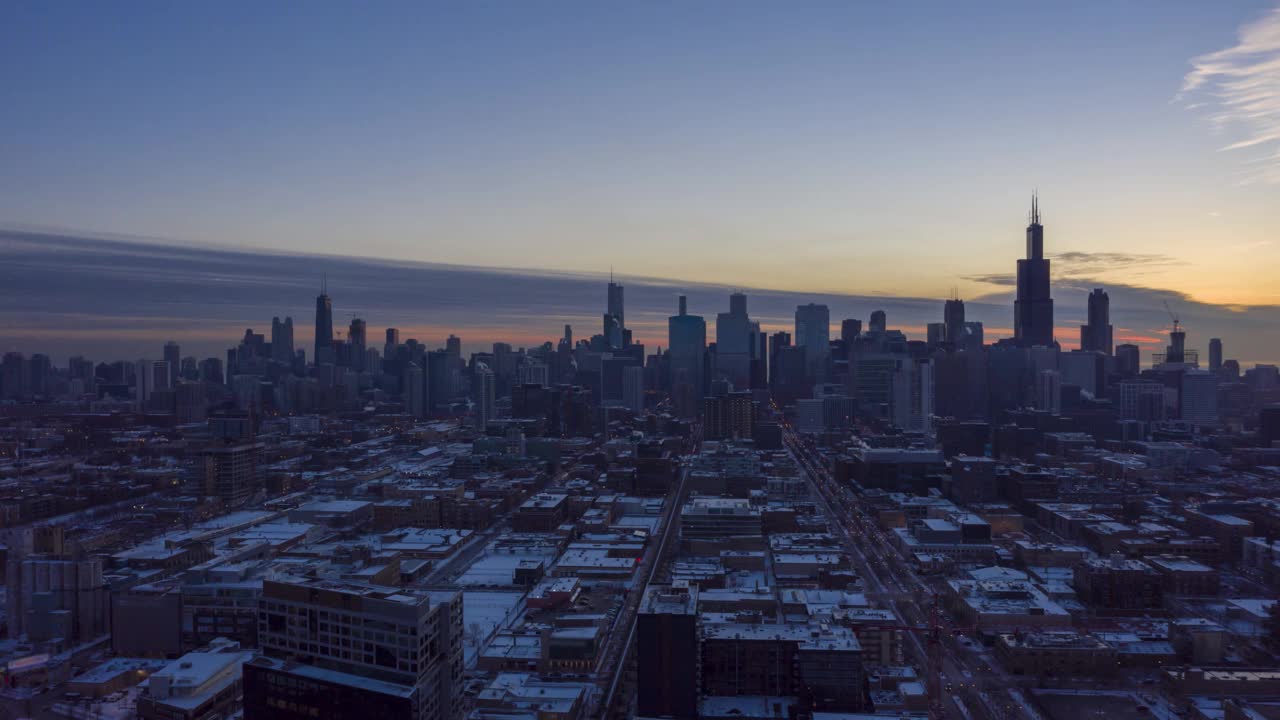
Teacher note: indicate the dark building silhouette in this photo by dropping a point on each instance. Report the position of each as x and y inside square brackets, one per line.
[1215, 355]
[1096, 335]
[1033, 308]
[850, 329]
[667, 652]
[953, 320]
[324, 330]
[878, 321]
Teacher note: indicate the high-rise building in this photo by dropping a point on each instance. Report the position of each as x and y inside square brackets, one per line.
[1128, 360]
[483, 391]
[667, 652]
[1198, 398]
[879, 322]
[734, 333]
[282, 340]
[1095, 336]
[633, 388]
[323, 354]
[935, 334]
[850, 329]
[1049, 391]
[392, 340]
[348, 651]
[14, 376]
[813, 333]
[173, 356]
[1215, 355]
[615, 322]
[687, 346]
[357, 340]
[1033, 308]
[953, 319]
[415, 395]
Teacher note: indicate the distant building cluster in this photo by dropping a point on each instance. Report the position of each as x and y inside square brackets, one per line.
[827, 522]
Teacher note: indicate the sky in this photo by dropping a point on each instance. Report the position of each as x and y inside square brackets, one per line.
[838, 149]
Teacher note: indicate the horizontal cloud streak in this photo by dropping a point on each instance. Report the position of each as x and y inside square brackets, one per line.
[121, 299]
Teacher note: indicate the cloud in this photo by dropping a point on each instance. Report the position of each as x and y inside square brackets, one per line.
[1241, 84]
[1077, 265]
[114, 299]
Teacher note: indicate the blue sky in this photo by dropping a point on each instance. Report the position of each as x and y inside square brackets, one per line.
[862, 148]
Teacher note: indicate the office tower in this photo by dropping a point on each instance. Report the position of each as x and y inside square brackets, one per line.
[777, 342]
[1128, 360]
[879, 322]
[415, 395]
[1215, 355]
[233, 473]
[1198, 398]
[850, 329]
[935, 334]
[1141, 400]
[953, 319]
[1049, 391]
[393, 340]
[567, 340]
[911, 394]
[357, 342]
[973, 338]
[614, 317]
[667, 652]
[439, 379]
[633, 388]
[173, 356]
[282, 340]
[14, 377]
[483, 394]
[1033, 308]
[687, 346]
[532, 372]
[734, 333]
[323, 353]
[813, 333]
[211, 371]
[1096, 334]
[453, 346]
[349, 651]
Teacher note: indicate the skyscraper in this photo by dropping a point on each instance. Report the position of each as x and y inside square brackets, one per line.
[734, 332]
[173, 356]
[850, 329]
[1033, 308]
[687, 345]
[324, 331]
[953, 319]
[813, 333]
[878, 322]
[483, 395]
[615, 318]
[358, 341]
[1096, 335]
[282, 340]
[1215, 355]
[667, 652]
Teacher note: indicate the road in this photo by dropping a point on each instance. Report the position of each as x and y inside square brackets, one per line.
[966, 679]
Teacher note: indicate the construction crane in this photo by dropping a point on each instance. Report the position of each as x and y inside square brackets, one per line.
[1172, 316]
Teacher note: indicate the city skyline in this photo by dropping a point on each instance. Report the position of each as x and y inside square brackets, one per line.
[826, 150]
[122, 299]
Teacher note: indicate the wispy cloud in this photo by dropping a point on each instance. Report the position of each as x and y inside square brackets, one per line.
[1241, 84]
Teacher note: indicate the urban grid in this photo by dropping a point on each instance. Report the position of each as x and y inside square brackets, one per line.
[828, 523]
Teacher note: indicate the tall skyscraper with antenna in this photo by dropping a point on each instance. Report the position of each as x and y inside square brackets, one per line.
[324, 326]
[1033, 308]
